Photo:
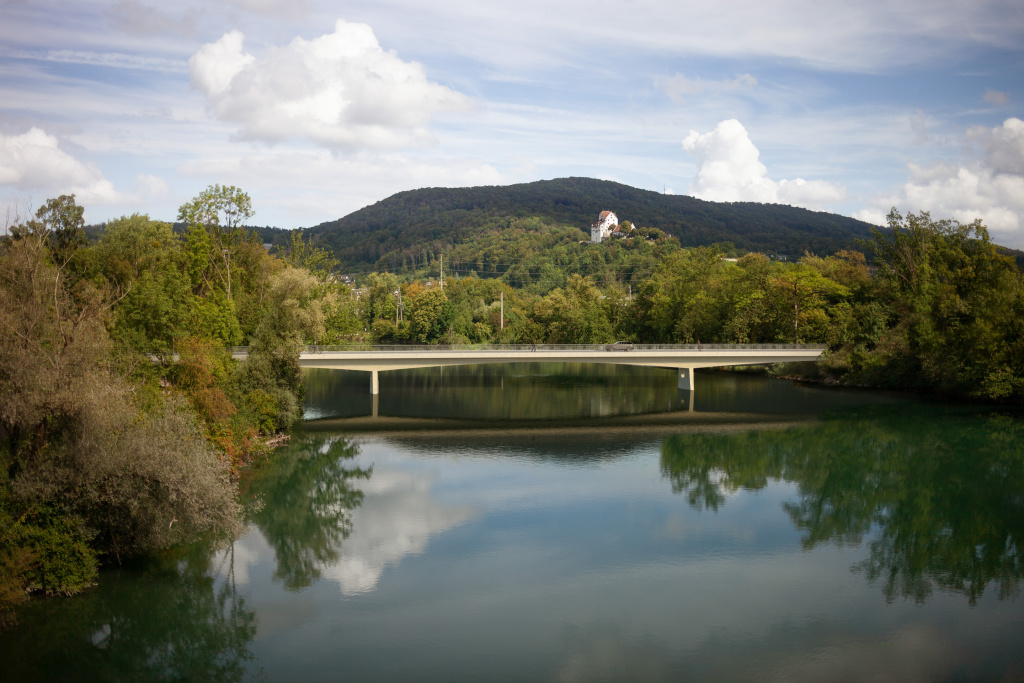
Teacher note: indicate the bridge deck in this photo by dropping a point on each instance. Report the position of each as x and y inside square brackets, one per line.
[683, 357]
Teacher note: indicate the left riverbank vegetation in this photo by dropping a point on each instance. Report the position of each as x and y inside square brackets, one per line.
[124, 418]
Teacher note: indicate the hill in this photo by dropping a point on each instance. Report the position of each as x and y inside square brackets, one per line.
[411, 226]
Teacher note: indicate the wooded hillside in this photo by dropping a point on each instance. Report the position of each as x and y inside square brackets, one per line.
[406, 225]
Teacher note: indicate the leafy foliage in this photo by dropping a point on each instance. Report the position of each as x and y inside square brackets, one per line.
[122, 414]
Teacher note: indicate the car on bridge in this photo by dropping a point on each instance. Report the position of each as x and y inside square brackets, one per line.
[620, 346]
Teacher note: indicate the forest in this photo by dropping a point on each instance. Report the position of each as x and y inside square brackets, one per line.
[396, 232]
[124, 419]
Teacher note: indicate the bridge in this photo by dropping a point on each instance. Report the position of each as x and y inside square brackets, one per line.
[684, 358]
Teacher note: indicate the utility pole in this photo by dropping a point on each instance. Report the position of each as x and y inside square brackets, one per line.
[503, 309]
[442, 271]
[630, 292]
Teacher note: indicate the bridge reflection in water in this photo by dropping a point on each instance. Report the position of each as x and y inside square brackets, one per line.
[539, 395]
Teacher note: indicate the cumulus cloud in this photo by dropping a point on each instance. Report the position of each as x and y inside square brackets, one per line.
[730, 170]
[340, 90]
[35, 161]
[988, 184]
[679, 85]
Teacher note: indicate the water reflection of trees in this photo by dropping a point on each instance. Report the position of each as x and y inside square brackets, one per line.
[302, 500]
[943, 489]
[169, 621]
[496, 392]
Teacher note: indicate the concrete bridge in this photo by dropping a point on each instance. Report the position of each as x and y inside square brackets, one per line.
[684, 358]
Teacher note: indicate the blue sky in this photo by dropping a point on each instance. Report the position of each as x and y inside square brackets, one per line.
[319, 108]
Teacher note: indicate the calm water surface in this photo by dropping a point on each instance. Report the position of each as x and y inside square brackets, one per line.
[574, 523]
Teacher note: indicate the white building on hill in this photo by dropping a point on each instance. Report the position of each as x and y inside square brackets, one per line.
[606, 224]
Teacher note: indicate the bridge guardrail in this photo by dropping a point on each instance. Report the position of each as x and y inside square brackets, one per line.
[411, 348]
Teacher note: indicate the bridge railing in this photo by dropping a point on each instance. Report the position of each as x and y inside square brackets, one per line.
[626, 347]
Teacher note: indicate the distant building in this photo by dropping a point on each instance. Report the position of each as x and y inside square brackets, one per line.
[606, 224]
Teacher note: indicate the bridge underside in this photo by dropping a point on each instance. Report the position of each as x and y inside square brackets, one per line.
[683, 362]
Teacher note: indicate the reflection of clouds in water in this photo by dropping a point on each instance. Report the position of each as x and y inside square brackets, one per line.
[397, 518]
[601, 652]
[604, 651]
[915, 652]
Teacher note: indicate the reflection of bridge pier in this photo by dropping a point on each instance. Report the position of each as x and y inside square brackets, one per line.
[686, 399]
[684, 358]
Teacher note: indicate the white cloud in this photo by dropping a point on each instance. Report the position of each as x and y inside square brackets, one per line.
[35, 161]
[730, 170]
[996, 97]
[115, 60]
[989, 185]
[864, 36]
[340, 90]
[679, 85]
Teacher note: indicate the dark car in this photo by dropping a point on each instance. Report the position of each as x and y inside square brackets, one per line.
[620, 346]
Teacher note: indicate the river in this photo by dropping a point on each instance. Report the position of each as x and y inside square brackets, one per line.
[580, 523]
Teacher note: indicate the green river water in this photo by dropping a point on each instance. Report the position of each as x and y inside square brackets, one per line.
[583, 523]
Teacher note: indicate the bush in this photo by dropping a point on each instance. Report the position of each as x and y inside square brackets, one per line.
[62, 561]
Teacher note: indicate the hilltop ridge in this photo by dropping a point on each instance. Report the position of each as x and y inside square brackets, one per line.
[408, 223]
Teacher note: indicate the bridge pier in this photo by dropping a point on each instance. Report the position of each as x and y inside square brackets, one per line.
[686, 379]
[686, 399]
[374, 384]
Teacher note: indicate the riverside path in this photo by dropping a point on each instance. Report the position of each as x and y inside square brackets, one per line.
[684, 358]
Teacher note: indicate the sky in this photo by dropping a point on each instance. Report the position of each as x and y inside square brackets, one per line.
[319, 108]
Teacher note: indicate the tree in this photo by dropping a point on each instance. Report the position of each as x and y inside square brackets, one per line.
[83, 468]
[220, 210]
[430, 316]
[60, 222]
[574, 315]
[956, 304]
[295, 313]
[144, 259]
[806, 291]
[380, 300]
[303, 254]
